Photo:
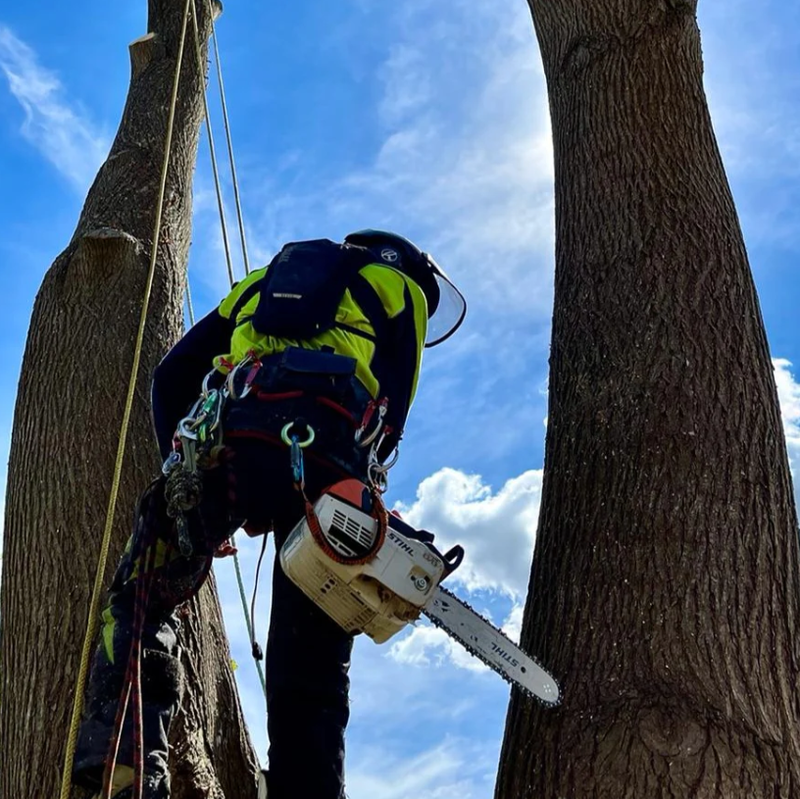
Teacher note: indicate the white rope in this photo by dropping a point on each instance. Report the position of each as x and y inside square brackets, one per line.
[213, 151]
[226, 244]
[234, 178]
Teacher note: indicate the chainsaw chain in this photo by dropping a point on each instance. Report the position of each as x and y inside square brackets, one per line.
[521, 688]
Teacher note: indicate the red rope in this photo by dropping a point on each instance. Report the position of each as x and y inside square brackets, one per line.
[144, 564]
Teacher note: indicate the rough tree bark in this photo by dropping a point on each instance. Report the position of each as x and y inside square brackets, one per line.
[664, 590]
[69, 408]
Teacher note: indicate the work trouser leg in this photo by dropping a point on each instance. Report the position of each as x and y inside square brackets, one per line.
[308, 658]
[175, 578]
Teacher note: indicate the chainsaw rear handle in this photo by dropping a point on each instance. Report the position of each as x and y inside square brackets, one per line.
[452, 559]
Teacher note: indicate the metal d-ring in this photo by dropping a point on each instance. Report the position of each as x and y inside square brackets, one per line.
[293, 440]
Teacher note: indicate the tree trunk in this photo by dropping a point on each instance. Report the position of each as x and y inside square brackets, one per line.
[67, 421]
[664, 590]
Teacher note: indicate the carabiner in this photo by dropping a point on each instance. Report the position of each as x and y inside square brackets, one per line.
[296, 462]
[381, 407]
[295, 439]
[251, 376]
[206, 380]
[373, 453]
[173, 460]
[229, 381]
[377, 477]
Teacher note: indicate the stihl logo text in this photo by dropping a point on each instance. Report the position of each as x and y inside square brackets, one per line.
[402, 544]
[503, 654]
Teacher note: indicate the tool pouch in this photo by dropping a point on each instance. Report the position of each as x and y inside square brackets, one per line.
[315, 372]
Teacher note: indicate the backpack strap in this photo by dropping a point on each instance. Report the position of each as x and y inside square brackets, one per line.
[245, 297]
[367, 299]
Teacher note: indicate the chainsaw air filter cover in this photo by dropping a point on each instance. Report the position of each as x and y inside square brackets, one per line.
[378, 597]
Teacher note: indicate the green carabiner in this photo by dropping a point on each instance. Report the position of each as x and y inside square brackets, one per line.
[289, 441]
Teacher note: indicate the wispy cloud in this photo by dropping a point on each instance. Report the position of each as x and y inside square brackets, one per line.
[789, 397]
[463, 162]
[752, 95]
[455, 769]
[58, 128]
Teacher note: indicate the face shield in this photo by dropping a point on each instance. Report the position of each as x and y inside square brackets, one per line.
[449, 312]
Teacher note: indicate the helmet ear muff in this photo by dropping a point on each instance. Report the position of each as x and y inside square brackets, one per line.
[424, 277]
[419, 271]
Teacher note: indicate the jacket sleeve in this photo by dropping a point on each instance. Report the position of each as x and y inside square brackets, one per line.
[177, 379]
[406, 339]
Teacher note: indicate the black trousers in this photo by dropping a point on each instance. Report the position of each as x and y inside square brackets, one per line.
[307, 658]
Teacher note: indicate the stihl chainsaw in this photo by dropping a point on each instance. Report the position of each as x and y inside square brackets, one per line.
[376, 577]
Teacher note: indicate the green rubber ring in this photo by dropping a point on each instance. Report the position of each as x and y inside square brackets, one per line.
[302, 444]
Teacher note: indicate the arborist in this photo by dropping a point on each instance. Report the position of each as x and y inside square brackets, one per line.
[321, 349]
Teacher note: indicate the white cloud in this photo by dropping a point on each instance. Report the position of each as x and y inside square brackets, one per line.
[62, 133]
[789, 397]
[498, 530]
[429, 646]
[512, 626]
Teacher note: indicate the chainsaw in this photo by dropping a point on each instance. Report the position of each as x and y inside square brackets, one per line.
[376, 575]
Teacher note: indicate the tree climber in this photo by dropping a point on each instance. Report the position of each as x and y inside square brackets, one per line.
[325, 343]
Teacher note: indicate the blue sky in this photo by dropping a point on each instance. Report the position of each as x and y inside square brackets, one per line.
[430, 120]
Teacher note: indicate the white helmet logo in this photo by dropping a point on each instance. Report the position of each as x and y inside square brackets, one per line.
[388, 255]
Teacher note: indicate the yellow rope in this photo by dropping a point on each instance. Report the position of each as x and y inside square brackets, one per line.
[91, 629]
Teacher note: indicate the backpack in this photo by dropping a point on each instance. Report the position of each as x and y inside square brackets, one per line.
[303, 286]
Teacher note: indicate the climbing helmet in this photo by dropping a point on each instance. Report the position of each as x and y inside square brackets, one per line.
[446, 304]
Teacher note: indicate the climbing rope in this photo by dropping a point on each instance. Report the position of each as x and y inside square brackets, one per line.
[226, 122]
[248, 615]
[213, 152]
[94, 605]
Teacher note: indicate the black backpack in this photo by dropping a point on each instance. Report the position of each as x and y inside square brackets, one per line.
[304, 285]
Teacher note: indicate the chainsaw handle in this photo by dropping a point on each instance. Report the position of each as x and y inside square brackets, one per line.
[452, 559]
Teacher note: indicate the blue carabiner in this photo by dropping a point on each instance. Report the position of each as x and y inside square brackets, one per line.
[296, 459]
[296, 447]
